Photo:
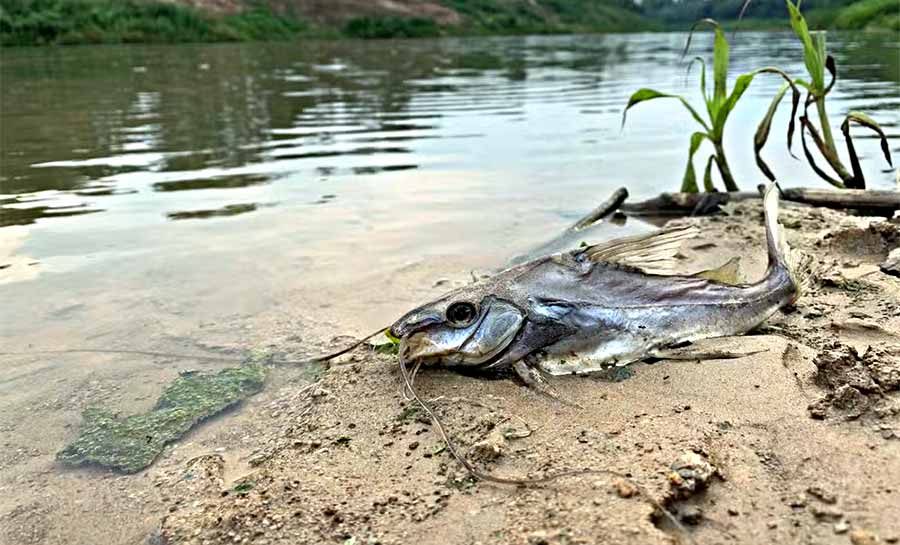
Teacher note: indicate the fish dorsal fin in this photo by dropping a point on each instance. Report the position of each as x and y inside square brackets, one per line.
[729, 273]
[653, 253]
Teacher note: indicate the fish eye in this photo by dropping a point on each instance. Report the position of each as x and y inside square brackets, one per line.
[461, 313]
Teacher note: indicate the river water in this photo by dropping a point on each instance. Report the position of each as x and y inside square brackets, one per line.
[223, 197]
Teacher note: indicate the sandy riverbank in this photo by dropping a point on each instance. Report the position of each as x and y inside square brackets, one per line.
[804, 437]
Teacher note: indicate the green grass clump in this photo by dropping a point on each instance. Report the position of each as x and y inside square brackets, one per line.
[391, 27]
[40, 22]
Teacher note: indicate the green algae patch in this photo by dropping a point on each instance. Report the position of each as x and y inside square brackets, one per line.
[130, 444]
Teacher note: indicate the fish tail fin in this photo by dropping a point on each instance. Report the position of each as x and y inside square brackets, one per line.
[781, 256]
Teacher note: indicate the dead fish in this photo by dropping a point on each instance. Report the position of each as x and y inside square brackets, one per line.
[595, 307]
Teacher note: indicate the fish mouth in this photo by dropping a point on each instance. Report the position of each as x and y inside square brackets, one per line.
[426, 349]
[417, 346]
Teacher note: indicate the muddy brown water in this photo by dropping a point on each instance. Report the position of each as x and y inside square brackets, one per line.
[216, 198]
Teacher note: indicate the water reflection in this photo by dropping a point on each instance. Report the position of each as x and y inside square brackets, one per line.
[229, 210]
[241, 121]
[214, 182]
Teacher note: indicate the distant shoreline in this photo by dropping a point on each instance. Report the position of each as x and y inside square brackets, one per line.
[79, 22]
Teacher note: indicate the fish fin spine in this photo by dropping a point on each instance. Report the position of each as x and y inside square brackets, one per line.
[781, 255]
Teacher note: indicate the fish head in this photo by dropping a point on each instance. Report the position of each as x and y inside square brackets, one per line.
[458, 330]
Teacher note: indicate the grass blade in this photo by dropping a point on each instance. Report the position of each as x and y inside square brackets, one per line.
[859, 181]
[740, 86]
[689, 181]
[814, 63]
[643, 95]
[720, 65]
[702, 77]
[707, 175]
[762, 132]
[806, 124]
[720, 58]
[862, 119]
[832, 69]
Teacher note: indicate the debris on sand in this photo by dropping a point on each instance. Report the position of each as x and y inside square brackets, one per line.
[491, 447]
[690, 474]
[131, 444]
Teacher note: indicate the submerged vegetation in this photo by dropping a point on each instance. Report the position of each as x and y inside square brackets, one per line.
[131, 444]
[720, 105]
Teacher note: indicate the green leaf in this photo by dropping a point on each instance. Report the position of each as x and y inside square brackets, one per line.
[689, 181]
[803, 83]
[720, 62]
[860, 118]
[720, 65]
[832, 69]
[813, 49]
[740, 86]
[866, 121]
[707, 175]
[762, 132]
[702, 77]
[643, 95]
[806, 124]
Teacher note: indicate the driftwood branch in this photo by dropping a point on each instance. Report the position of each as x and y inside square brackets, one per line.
[573, 232]
[685, 204]
[608, 207]
[872, 201]
[868, 201]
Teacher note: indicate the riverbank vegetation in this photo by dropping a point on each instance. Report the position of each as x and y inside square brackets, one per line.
[773, 15]
[42, 22]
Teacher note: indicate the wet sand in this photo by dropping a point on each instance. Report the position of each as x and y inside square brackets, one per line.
[803, 437]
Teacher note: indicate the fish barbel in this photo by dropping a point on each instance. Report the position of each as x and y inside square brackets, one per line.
[597, 306]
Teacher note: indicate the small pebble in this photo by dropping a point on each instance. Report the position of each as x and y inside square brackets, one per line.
[624, 489]
[863, 537]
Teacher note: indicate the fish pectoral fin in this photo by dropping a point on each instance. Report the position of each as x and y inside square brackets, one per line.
[653, 253]
[696, 354]
[728, 273]
[533, 378]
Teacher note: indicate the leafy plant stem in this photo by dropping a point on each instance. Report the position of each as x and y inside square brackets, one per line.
[826, 126]
[724, 169]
